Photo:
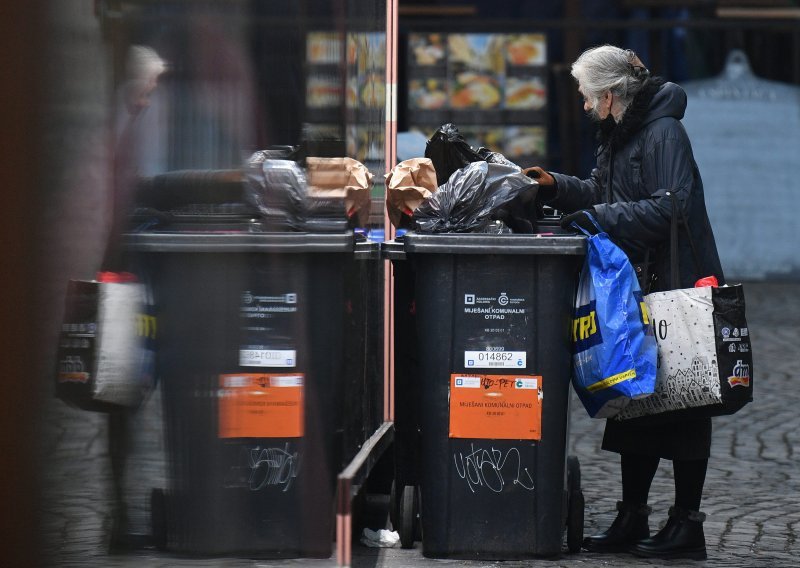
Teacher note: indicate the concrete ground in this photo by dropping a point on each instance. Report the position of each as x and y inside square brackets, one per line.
[751, 495]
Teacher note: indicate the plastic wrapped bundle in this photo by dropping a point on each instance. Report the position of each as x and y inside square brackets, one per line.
[278, 188]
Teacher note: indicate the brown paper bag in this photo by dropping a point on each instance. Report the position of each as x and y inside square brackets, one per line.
[408, 184]
[341, 178]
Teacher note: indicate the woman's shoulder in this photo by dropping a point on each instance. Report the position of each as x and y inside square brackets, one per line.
[662, 129]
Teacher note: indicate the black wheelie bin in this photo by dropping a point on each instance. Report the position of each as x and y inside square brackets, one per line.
[251, 358]
[493, 319]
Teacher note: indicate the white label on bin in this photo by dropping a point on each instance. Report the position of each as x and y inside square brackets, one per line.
[235, 381]
[267, 357]
[495, 359]
[287, 381]
[523, 383]
[468, 382]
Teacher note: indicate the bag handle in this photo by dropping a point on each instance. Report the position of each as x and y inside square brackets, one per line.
[677, 213]
[594, 222]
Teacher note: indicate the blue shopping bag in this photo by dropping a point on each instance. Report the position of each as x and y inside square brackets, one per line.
[615, 351]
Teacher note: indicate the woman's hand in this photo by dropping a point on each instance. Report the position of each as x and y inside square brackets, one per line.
[539, 175]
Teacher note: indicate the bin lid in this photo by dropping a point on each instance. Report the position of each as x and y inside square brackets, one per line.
[482, 243]
[240, 242]
[393, 250]
[367, 250]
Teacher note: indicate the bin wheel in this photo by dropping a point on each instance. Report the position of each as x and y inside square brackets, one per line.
[575, 521]
[575, 505]
[407, 516]
[158, 518]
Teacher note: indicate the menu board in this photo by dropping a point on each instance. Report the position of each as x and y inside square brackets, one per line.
[358, 95]
[493, 87]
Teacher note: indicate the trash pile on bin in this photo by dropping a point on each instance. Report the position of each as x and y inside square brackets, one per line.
[479, 191]
[277, 190]
[453, 189]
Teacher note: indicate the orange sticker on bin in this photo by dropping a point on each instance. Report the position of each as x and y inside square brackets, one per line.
[259, 405]
[500, 407]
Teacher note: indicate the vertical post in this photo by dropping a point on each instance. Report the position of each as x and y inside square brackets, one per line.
[343, 524]
[390, 149]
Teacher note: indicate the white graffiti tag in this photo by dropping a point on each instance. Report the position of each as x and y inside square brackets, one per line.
[485, 468]
[272, 466]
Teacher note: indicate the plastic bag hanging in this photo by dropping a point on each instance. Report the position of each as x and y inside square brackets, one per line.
[615, 351]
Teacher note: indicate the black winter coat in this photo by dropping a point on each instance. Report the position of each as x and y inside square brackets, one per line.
[647, 155]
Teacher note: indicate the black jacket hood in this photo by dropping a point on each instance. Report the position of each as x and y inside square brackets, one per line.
[669, 100]
[657, 99]
[645, 162]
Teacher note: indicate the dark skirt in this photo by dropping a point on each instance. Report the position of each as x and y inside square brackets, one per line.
[679, 440]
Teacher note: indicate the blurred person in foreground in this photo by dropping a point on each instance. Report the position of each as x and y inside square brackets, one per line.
[143, 68]
[643, 153]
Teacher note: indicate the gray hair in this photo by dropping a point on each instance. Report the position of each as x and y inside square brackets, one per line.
[609, 68]
[144, 64]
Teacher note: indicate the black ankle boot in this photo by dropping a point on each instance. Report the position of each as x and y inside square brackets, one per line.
[681, 537]
[629, 526]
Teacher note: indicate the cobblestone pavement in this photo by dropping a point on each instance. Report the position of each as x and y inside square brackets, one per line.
[751, 496]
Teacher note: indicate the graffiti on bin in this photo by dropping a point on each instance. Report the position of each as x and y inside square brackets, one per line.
[265, 467]
[493, 469]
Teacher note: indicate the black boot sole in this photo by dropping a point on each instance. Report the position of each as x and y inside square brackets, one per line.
[607, 548]
[691, 554]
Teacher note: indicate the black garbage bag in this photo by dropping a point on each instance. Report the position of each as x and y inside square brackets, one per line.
[276, 186]
[449, 151]
[521, 213]
[471, 198]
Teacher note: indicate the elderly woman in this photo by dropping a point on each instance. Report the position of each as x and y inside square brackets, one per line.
[644, 161]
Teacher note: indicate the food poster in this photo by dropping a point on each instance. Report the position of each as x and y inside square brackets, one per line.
[525, 92]
[496, 407]
[476, 69]
[365, 143]
[323, 90]
[323, 48]
[477, 136]
[525, 50]
[366, 99]
[524, 145]
[427, 50]
[427, 93]
[358, 86]
[492, 86]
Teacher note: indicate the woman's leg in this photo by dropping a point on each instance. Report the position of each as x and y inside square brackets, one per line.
[690, 476]
[682, 536]
[631, 524]
[637, 476]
